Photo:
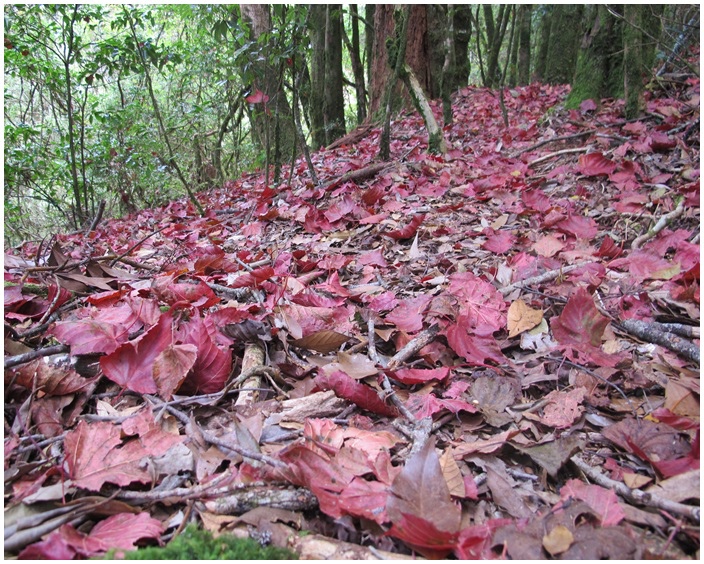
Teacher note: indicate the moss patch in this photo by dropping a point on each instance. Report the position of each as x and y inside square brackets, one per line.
[196, 544]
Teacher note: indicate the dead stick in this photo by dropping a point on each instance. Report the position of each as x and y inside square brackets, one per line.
[635, 496]
[23, 358]
[545, 277]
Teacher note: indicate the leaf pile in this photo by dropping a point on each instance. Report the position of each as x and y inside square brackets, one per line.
[490, 353]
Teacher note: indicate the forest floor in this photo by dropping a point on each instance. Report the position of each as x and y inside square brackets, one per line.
[494, 353]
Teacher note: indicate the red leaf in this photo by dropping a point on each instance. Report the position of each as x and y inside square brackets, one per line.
[410, 229]
[257, 97]
[89, 336]
[132, 363]
[476, 349]
[197, 293]
[93, 457]
[595, 164]
[498, 242]
[479, 302]
[587, 106]
[122, 531]
[475, 541]
[580, 323]
[579, 226]
[412, 376]
[254, 278]
[213, 363]
[408, 314]
[604, 502]
[356, 392]
[420, 506]
[54, 547]
[171, 367]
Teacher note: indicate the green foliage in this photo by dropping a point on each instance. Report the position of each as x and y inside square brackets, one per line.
[196, 544]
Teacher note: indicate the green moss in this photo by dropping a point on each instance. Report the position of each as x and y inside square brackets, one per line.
[196, 544]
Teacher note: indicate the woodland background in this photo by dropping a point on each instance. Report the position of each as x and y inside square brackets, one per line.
[358, 282]
[133, 105]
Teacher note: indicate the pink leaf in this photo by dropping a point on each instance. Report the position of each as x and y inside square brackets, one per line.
[356, 392]
[257, 97]
[604, 502]
[131, 365]
[580, 323]
[595, 164]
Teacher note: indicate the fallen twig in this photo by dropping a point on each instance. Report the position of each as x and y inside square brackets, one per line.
[663, 222]
[552, 140]
[557, 154]
[545, 277]
[23, 358]
[635, 496]
[652, 334]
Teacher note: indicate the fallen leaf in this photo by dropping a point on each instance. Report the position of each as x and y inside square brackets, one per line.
[522, 318]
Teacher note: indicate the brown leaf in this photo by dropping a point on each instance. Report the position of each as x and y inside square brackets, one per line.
[324, 341]
[494, 394]
[558, 540]
[452, 474]
[522, 318]
[420, 490]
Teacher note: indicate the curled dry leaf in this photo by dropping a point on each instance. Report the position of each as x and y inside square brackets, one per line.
[325, 341]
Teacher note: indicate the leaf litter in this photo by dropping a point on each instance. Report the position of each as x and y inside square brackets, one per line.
[491, 353]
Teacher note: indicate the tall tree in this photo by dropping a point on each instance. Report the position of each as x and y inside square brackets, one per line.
[563, 44]
[599, 70]
[357, 66]
[334, 108]
[317, 74]
[417, 53]
[524, 22]
[272, 120]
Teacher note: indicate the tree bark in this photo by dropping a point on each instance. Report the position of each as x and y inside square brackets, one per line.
[417, 54]
[264, 123]
[357, 68]
[334, 107]
[462, 24]
[599, 72]
[524, 20]
[565, 27]
[317, 74]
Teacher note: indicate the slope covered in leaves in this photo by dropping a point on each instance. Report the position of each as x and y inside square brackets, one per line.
[490, 353]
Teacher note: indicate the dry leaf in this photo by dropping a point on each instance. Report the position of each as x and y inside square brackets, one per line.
[635, 481]
[452, 474]
[324, 341]
[522, 318]
[558, 540]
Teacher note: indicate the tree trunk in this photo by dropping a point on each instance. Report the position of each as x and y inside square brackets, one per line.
[417, 54]
[278, 110]
[544, 43]
[599, 71]
[334, 106]
[632, 58]
[317, 74]
[462, 24]
[357, 68]
[495, 32]
[524, 20]
[565, 27]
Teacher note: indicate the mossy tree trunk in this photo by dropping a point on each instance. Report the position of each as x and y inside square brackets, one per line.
[632, 58]
[334, 107]
[524, 22]
[599, 71]
[565, 28]
[544, 42]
